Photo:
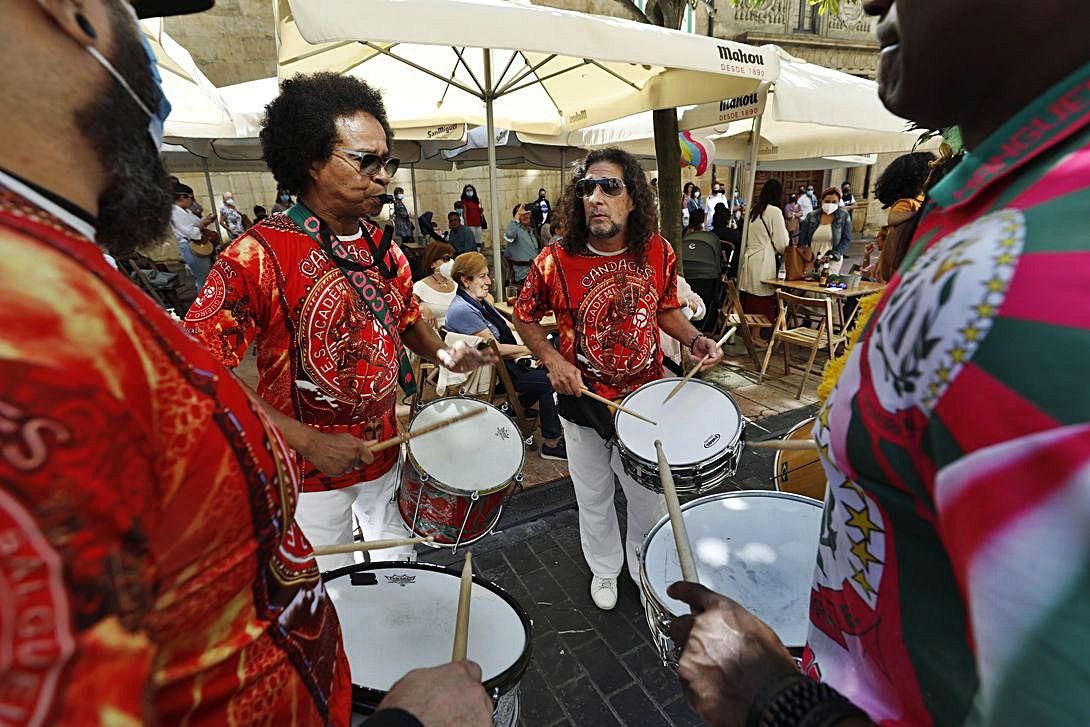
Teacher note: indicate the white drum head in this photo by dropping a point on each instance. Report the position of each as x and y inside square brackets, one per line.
[406, 621]
[759, 548]
[480, 454]
[700, 422]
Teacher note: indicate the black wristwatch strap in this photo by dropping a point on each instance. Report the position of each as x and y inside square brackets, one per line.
[798, 701]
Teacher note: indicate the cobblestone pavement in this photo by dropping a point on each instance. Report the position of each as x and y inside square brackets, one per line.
[589, 667]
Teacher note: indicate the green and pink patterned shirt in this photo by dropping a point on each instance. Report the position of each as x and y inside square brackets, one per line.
[953, 577]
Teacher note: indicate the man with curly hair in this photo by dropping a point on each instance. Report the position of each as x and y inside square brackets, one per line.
[612, 282]
[329, 301]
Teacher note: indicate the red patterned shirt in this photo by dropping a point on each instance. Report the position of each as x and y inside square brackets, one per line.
[607, 309]
[322, 357]
[151, 569]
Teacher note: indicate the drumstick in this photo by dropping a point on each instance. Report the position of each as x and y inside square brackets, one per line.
[461, 621]
[698, 364]
[800, 445]
[677, 522]
[401, 438]
[618, 407]
[370, 545]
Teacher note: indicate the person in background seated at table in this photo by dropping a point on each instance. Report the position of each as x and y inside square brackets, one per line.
[459, 236]
[435, 291]
[900, 190]
[521, 243]
[828, 231]
[471, 314]
[189, 228]
[260, 213]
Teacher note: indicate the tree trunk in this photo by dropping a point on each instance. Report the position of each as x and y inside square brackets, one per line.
[668, 153]
[668, 14]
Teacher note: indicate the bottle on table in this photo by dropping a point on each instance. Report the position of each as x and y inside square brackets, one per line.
[823, 280]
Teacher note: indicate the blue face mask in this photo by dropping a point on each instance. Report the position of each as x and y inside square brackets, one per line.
[157, 118]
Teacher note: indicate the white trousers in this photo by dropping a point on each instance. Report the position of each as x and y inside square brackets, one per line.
[593, 464]
[326, 519]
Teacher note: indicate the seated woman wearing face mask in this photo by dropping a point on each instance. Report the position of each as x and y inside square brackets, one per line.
[471, 314]
[828, 231]
[435, 291]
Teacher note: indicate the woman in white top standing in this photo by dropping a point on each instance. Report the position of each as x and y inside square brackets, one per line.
[768, 238]
[435, 291]
[828, 231]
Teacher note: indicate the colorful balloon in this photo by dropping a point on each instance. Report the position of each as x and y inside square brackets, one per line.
[696, 151]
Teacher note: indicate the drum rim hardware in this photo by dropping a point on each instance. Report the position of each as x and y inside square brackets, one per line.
[450, 489]
[657, 615]
[501, 684]
[735, 436]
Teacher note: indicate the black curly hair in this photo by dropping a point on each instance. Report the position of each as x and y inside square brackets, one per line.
[299, 126]
[903, 178]
[643, 220]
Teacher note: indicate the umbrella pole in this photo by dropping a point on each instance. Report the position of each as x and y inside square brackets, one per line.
[212, 198]
[493, 199]
[412, 180]
[750, 171]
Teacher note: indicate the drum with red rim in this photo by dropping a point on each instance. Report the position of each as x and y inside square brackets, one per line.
[456, 480]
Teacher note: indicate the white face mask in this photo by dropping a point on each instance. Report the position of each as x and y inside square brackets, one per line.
[829, 208]
[401, 196]
[445, 268]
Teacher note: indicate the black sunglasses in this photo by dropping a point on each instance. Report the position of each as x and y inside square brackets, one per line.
[369, 164]
[610, 185]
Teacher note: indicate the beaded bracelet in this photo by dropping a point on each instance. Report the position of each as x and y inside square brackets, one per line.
[798, 701]
[696, 338]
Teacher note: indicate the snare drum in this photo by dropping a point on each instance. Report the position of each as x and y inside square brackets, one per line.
[756, 547]
[396, 617]
[456, 480]
[800, 471]
[700, 428]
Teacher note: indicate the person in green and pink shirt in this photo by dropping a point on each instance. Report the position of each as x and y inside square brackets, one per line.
[951, 579]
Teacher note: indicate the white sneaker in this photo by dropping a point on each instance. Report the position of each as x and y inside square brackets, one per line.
[603, 591]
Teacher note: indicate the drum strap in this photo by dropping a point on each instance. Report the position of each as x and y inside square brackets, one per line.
[587, 412]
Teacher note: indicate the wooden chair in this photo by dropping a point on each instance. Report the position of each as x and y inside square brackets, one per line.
[824, 336]
[733, 315]
[424, 373]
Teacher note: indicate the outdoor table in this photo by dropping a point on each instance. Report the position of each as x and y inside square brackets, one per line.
[839, 295]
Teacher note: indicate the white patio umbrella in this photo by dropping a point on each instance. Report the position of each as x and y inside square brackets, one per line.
[197, 109]
[510, 65]
[512, 151]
